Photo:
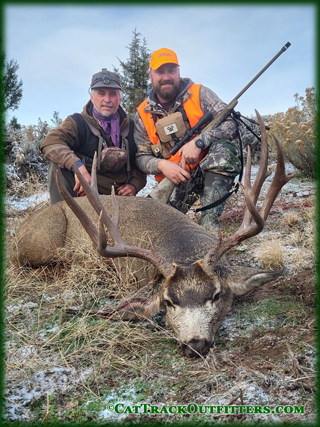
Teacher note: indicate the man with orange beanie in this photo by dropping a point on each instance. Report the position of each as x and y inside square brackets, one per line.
[207, 165]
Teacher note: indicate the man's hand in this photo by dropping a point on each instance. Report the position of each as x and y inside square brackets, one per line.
[190, 153]
[174, 172]
[126, 190]
[78, 187]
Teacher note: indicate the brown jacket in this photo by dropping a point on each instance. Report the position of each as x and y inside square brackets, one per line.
[73, 140]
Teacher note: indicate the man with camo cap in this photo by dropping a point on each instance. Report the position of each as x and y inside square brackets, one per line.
[207, 165]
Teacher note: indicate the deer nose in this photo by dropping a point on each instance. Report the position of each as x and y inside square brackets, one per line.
[196, 347]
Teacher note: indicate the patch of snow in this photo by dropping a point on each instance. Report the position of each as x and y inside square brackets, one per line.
[126, 397]
[16, 308]
[48, 331]
[27, 202]
[151, 182]
[41, 384]
[254, 396]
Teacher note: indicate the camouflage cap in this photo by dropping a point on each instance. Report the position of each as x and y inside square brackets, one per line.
[105, 78]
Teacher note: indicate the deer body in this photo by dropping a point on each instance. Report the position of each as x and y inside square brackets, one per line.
[191, 276]
[176, 236]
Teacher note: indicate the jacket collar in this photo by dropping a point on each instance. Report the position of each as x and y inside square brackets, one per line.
[87, 112]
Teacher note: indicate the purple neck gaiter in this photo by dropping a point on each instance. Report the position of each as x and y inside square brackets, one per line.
[110, 125]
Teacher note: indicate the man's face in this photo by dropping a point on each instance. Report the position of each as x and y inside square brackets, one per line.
[106, 100]
[165, 81]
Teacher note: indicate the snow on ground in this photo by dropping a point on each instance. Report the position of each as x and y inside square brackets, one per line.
[41, 384]
[62, 379]
[26, 202]
[35, 199]
[29, 202]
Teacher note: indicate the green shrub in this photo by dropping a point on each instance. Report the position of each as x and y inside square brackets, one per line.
[296, 129]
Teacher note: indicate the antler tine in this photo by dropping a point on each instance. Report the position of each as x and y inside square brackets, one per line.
[115, 207]
[103, 240]
[253, 221]
[247, 173]
[120, 248]
[279, 180]
[124, 250]
[262, 174]
[93, 197]
[82, 216]
[94, 182]
[263, 168]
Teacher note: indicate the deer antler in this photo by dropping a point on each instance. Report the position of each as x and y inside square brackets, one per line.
[99, 238]
[253, 221]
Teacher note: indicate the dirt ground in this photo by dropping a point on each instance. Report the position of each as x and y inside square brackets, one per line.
[72, 368]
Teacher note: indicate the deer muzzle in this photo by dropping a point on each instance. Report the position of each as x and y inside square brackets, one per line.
[196, 348]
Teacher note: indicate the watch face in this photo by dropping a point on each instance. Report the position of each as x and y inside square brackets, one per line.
[199, 143]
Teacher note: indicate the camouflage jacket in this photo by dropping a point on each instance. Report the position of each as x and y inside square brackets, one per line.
[209, 101]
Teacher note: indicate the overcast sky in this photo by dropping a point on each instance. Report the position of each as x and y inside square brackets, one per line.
[58, 48]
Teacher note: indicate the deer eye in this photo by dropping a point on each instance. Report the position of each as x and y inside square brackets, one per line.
[217, 296]
[168, 303]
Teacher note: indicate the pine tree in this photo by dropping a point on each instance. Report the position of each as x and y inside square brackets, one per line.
[11, 89]
[134, 75]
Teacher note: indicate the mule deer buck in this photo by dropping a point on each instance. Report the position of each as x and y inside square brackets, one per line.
[190, 274]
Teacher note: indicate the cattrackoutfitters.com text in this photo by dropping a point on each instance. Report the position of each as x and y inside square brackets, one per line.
[193, 408]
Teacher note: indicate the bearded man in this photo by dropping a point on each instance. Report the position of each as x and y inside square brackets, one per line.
[102, 127]
[204, 167]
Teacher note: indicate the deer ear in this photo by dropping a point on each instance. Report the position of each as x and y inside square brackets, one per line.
[241, 280]
[146, 302]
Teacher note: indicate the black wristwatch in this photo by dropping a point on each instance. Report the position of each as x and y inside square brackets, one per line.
[199, 143]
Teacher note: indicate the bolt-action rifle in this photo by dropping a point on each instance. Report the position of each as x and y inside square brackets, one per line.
[163, 190]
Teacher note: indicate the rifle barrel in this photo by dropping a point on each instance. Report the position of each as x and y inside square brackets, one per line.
[285, 47]
[224, 113]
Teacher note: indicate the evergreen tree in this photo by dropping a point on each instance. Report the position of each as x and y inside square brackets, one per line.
[11, 89]
[56, 121]
[134, 75]
[14, 123]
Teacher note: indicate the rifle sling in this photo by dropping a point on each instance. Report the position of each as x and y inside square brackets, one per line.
[218, 202]
[236, 188]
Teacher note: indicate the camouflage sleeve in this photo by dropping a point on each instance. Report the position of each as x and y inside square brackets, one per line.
[209, 101]
[145, 159]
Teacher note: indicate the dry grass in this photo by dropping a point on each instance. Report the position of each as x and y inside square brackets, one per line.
[41, 336]
[271, 254]
[290, 218]
[31, 184]
[38, 326]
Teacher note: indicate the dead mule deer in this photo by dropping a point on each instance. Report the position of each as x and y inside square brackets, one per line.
[191, 275]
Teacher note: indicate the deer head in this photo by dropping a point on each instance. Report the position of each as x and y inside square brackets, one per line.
[196, 296]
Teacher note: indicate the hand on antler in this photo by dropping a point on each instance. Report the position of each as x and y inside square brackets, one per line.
[78, 187]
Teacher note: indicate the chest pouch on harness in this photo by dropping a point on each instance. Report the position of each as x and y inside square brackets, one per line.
[171, 127]
[113, 159]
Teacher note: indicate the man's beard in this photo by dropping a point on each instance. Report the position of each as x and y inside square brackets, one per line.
[106, 113]
[168, 93]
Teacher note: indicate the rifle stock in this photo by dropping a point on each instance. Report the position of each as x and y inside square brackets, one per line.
[162, 191]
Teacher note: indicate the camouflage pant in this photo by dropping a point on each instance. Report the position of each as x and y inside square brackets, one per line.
[210, 181]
